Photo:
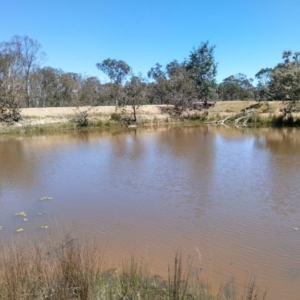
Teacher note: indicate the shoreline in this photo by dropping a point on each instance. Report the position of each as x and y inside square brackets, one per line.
[37, 120]
[61, 266]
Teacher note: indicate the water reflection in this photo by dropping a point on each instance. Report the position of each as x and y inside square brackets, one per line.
[284, 167]
[17, 162]
[83, 135]
[285, 141]
[227, 191]
[127, 145]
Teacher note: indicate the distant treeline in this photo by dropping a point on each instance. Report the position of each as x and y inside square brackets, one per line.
[25, 83]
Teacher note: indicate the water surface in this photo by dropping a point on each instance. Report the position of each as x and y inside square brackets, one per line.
[227, 197]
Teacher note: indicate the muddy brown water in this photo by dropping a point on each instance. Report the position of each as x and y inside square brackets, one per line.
[228, 197]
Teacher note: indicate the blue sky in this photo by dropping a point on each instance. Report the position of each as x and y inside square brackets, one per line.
[248, 34]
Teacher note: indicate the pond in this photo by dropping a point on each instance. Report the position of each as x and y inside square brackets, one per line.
[228, 197]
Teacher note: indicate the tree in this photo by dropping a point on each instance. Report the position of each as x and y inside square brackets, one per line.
[237, 87]
[285, 78]
[90, 91]
[134, 94]
[117, 71]
[156, 73]
[70, 88]
[173, 86]
[45, 87]
[202, 68]
[263, 86]
[182, 86]
[11, 81]
[25, 56]
[9, 108]
[159, 88]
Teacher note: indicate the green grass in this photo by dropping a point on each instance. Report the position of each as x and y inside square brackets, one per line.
[274, 121]
[67, 268]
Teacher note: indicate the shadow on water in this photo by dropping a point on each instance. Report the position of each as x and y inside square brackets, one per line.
[17, 163]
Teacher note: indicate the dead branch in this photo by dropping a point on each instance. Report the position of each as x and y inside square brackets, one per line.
[9, 115]
[236, 121]
[131, 126]
[218, 122]
[248, 113]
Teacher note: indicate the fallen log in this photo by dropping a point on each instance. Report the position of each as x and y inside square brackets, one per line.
[236, 121]
[246, 117]
[131, 126]
[219, 122]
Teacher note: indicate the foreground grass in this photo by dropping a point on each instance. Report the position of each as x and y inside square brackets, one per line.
[69, 269]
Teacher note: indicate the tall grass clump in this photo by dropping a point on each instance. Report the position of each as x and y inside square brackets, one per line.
[67, 268]
[274, 121]
[258, 121]
[177, 280]
[63, 270]
[194, 117]
[285, 121]
[132, 281]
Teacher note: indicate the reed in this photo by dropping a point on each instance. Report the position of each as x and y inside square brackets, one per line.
[64, 269]
[67, 268]
[274, 121]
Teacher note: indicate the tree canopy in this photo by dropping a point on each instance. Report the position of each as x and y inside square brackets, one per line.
[116, 70]
[25, 82]
[285, 78]
[202, 68]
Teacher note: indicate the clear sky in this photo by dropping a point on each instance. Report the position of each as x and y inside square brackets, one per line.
[76, 34]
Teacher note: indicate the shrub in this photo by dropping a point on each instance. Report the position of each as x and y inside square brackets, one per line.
[81, 117]
[116, 117]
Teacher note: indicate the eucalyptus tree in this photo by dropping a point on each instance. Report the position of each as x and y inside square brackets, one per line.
[182, 86]
[263, 86]
[24, 56]
[157, 73]
[174, 85]
[202, 68]
[6, 80]
[90, 91]
[236, 87]
[53, 87]
[117, 71]
[160, 90]
[285, 78]
[11, 80]
[228, 89]
[46, 87]
[69, 89]
[135, 94]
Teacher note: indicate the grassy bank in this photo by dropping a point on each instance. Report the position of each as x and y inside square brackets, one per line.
[36, 120]
[256, 121]
[67, 268]
[30, 126]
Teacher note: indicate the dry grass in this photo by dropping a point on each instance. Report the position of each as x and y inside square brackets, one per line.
[61, 269]
[37, 120]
